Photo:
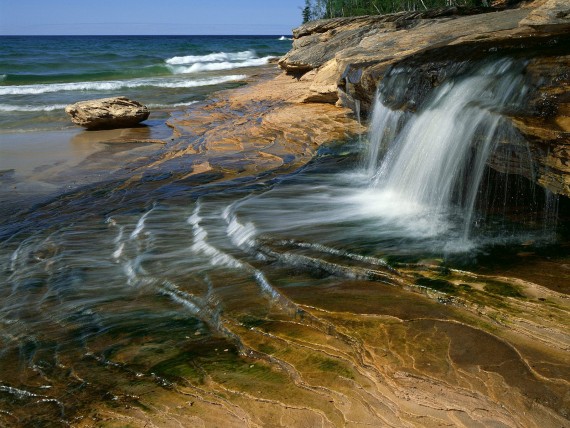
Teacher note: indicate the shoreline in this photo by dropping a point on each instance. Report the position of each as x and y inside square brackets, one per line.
[259, 126]
[43, 154]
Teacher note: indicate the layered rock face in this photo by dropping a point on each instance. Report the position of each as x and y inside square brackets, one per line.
[346, 59]
[107, 113]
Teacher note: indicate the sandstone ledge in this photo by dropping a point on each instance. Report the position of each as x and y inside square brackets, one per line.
[279, 120]
[256, 128]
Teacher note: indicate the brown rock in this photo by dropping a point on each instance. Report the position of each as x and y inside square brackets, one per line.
[259, 127]
[107, 113]
[553, 15]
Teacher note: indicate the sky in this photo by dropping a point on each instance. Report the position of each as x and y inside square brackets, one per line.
[115, 17]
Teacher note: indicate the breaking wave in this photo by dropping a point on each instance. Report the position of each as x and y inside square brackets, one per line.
[8, 107]
[215, 62]
[218, 66]
[186, 104]
[213, 57]
[113, 85]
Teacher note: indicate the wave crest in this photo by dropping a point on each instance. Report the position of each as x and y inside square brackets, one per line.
[218, 66]
[29, 108]
[113, 85]
[215, 62]
[186, 104]
[213, 57]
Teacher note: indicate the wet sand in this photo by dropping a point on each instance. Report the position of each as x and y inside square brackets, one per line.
[34, 165]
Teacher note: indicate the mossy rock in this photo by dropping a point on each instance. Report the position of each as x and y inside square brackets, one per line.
[503, 289]
[437, 284]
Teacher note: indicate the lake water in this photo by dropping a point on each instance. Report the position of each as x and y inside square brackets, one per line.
[39, 76]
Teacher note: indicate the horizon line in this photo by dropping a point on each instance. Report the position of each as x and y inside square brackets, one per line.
[137, 35]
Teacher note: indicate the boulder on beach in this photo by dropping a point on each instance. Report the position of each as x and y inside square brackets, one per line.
[107, 113]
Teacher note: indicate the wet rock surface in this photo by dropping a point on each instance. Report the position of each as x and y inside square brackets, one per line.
[107, 113]
[306, 335]
[260, 127]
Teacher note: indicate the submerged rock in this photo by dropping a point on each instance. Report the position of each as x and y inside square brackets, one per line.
[107, 113]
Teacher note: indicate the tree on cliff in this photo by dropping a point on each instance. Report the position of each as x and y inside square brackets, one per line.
[307, 12]
[317, 9]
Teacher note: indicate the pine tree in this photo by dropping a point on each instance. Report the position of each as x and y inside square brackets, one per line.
[306, 15]
[317, 9]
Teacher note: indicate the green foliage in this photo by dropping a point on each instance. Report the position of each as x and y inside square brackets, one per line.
[317, 9]
[307, 12]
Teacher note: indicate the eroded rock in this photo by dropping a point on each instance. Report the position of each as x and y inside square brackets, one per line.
[107, 113]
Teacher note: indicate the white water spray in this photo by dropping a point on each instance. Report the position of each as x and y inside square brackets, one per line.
[435, 162]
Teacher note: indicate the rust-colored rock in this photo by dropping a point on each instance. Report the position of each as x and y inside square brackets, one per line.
[262, 126]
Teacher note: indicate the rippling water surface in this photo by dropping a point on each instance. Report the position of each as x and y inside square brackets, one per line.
[40, 75]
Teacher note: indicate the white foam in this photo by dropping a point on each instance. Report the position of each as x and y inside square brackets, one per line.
[140, 225]
[29, 108]
[239, 234]
[119, 251]
[201, 82]
[182, 298]
[282, 38]
[113, 85]
[201, 246]
[410, 217]
[135, 273]
[20, 393]
[265, 285]
[189, 103]
[213, 57]
[129, 270]
[218, 66]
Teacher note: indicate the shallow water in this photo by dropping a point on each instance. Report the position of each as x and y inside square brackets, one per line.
[112, 287]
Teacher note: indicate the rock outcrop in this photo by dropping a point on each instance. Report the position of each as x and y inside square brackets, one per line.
[259, 127]
[346, 59]
[107, 113]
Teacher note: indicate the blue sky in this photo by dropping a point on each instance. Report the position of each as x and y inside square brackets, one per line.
[75, 17]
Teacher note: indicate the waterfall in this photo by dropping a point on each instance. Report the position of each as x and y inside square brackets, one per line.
[434, 160]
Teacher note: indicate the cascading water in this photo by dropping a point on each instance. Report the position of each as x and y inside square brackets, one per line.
[434, 161]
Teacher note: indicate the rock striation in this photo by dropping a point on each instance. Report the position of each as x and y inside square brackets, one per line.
[346, 59]
[260, 127]
[107, 113]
